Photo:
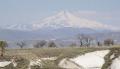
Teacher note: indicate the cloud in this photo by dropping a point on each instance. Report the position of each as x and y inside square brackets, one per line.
[88, 13]
[94, 14]
[107, 17]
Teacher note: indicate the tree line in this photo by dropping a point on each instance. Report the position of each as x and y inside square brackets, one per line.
[38, 44]
[22, 44]
[84, 40]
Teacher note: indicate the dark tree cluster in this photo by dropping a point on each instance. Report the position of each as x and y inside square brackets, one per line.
[40, 44]
[52, 44]
[21, 44]
[108, 42]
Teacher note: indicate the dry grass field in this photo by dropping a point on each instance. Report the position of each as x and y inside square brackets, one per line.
[60, 53]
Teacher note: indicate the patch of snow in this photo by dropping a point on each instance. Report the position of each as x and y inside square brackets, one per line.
[67, 64]
[49, 58]
[112, 56]
[4, 63]
[115, 64]
[14, 62]
[38, 62]
[93, 60]
[35, 62]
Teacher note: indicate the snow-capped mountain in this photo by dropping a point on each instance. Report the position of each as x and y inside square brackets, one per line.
[59, 26]
[67, 19]
[60, 20]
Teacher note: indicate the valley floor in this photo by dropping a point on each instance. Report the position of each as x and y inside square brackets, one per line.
[51, 57]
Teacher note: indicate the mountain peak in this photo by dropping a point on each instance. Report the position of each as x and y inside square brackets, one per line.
[65, 12]
[67, 19]
[63, 19]
[62, 12]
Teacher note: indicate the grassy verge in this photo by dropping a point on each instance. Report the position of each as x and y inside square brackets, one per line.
[108, 60]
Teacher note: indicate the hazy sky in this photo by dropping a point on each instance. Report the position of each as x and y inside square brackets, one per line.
[28, 11]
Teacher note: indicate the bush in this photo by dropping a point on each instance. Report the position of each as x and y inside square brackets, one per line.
[35, 67]
[22, 63]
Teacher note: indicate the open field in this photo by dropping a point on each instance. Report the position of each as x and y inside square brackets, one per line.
[69, 52]
[49, 52]
[60, 53]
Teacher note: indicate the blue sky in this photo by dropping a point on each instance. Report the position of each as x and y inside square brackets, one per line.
[28, 11]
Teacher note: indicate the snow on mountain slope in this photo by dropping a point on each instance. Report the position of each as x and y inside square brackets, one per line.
[67, 19]
[22, 27]
[60, 20]
[16, 26]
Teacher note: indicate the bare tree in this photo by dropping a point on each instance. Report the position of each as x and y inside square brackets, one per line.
[80, 37]
[52, 44]
[40, 44]
[85, 40]
[99, 43]
[21, 44]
